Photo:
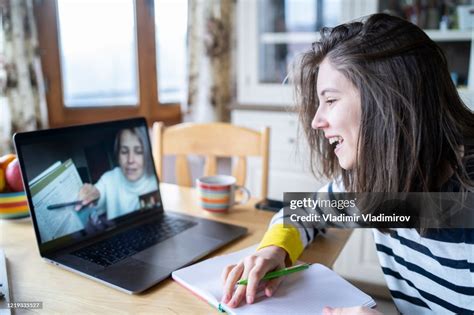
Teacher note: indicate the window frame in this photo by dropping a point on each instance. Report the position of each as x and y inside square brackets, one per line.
[59, 115]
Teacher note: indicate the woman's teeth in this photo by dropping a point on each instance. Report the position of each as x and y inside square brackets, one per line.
[337, 140]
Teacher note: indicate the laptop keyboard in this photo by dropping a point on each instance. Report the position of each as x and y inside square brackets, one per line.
[123, 245]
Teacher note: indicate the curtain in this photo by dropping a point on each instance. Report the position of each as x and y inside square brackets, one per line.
[22, 94]
[211, 60]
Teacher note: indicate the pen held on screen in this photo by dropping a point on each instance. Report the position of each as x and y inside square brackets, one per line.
[63, 205]
[58, 206]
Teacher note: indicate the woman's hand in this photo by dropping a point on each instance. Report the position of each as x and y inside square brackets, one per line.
[87, 194]
[253, 268]
[350, 311]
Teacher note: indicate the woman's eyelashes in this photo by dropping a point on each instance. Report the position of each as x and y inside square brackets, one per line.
[137, 151]
[330, 101]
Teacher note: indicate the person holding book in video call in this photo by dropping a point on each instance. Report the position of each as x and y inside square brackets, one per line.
[117, 191]
[381, 114]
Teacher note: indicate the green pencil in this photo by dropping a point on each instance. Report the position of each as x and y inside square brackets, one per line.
[279, 273]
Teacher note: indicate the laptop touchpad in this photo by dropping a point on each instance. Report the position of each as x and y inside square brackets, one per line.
[178, 250]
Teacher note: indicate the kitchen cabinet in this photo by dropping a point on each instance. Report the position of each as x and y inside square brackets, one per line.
[272, 32]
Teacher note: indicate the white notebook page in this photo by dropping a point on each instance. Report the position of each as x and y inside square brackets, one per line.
[305, 292]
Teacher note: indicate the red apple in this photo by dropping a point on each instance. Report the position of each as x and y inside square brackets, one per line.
[13, 176]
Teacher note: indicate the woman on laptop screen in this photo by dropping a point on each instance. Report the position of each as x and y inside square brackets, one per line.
[118, 191]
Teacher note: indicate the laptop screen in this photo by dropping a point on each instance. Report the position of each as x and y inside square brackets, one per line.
[84, 180]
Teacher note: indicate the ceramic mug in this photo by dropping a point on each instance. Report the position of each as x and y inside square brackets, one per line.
[217, 193]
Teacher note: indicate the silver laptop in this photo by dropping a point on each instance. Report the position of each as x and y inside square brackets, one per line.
[96, 206]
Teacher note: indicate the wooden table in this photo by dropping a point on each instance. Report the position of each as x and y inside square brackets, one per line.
[61, 291]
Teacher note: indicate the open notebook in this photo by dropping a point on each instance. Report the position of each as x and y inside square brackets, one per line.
[305, 292]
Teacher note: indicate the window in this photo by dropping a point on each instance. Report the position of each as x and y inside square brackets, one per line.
[112, 59]
[171, 35]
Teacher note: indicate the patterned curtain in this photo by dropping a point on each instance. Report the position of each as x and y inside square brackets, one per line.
[22, 95]
[211, 57]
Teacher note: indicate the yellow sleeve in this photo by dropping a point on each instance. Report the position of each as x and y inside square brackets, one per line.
[287, 238]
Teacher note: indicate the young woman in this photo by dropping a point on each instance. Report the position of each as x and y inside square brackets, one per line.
[381, 114]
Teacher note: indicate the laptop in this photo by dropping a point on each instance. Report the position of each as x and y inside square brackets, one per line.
[96, 206]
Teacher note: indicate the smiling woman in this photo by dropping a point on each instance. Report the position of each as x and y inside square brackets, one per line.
[130, 155]
[339, 113]
[117, 190]
[381, 114]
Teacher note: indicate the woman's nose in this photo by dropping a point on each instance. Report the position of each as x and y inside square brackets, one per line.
[130, 158]
[319, 120]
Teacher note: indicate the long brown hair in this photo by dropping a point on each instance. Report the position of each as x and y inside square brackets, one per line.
[413, 121]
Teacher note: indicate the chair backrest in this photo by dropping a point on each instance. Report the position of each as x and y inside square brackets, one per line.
[211, 140]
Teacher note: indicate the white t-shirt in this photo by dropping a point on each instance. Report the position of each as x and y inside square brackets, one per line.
[118, 195]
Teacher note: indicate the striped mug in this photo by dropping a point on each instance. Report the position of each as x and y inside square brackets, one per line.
[217, 193]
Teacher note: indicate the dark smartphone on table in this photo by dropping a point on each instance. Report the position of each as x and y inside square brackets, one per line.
[270, 205]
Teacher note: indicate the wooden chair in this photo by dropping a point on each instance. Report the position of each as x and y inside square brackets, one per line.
[211, 140]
